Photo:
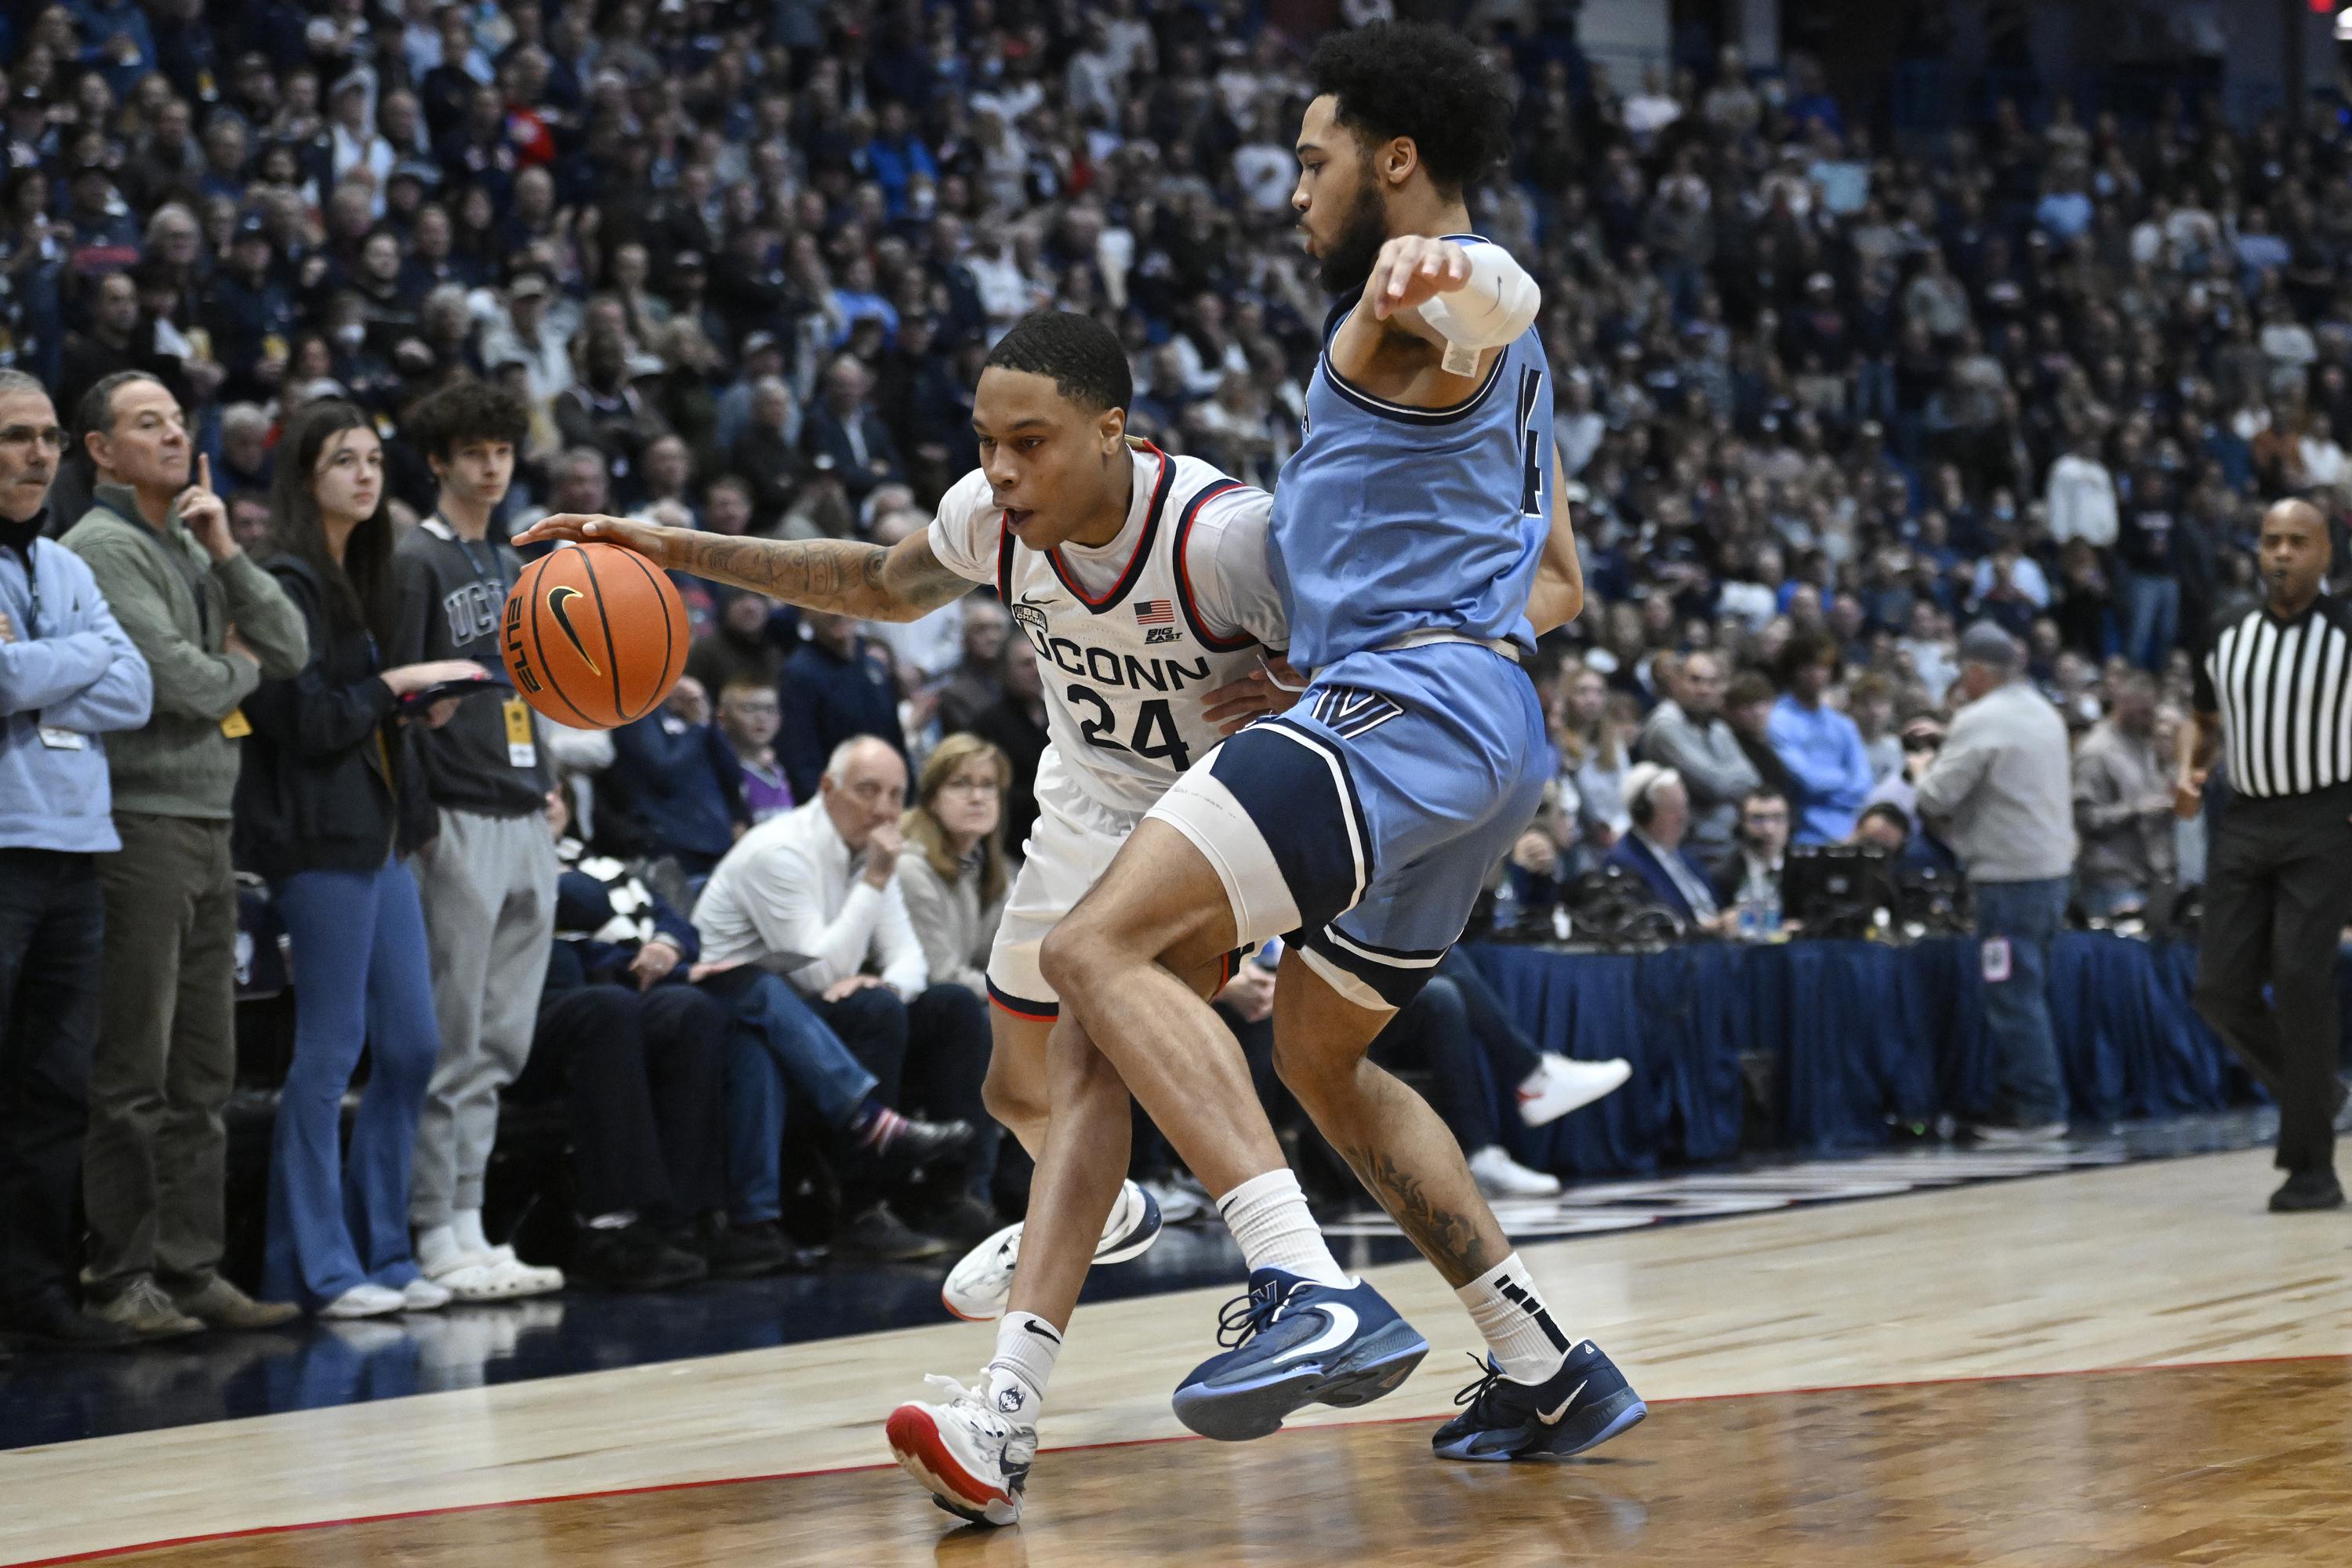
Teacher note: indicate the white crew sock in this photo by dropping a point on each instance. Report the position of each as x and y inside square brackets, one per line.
[1026, 1347]
[1268, 1217]
[1509, 1310]
[436, 1248]
[468, 1224]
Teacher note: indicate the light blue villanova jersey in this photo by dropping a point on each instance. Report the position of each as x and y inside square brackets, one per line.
[1389, 521]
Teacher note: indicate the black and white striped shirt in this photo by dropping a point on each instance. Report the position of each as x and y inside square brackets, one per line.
[2282, 691]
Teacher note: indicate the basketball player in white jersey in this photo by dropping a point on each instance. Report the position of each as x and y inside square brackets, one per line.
[1139, 578]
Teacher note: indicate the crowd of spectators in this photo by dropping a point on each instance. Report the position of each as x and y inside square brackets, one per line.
[361, 288]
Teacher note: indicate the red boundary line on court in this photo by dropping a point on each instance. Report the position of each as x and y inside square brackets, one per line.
[109, 1552]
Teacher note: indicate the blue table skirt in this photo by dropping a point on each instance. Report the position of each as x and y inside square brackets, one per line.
[1861, 1035]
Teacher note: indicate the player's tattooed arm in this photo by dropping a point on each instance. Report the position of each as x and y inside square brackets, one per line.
[902, 583]
[1557, 596]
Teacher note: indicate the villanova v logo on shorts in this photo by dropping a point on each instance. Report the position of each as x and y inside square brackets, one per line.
[1348, 712]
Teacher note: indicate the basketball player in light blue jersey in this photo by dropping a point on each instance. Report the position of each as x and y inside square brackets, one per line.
[1413, 539]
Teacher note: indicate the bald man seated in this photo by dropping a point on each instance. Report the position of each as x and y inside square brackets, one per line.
[815, 894]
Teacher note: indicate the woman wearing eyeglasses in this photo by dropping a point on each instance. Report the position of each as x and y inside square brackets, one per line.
[955, 879]
[954, 875]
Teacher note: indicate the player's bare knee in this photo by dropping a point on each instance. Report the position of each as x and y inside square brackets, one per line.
[1073, 959]
[1015, 1106]
[1319, 1080]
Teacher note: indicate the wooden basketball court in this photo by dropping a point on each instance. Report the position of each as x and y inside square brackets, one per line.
[2132, 1366]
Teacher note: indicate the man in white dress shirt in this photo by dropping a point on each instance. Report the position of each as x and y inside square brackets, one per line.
[821, 882]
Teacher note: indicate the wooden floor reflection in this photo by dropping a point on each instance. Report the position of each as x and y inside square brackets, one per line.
[2244, 1464]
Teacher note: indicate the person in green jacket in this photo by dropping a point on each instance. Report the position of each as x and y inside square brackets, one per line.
[211, 625]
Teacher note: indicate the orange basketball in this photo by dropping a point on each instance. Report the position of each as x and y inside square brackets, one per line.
[595, 636]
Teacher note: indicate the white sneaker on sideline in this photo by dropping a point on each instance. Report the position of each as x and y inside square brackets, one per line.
[421, 1295]
[539, 1278]
[497, 1275]
[363, 1301]
[1180, 1202]
[1500, 1176]
[981, 1284]
[1999, 1135]
[1563, 1084]
[972, 1451]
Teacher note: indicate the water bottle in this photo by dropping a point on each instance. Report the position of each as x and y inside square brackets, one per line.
[1506, 906]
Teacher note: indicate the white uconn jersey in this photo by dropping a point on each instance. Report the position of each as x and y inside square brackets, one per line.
[1131, 635]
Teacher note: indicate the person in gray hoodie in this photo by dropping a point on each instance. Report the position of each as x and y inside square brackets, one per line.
[211, 625]
[68, 677]
[1690, 735]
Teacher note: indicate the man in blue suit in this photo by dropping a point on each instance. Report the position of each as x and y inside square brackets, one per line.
[1652, 849]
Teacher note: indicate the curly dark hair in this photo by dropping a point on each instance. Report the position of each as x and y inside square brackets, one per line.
[466, 411]
[1803, 651]
[1083, 356]
[1424, 82]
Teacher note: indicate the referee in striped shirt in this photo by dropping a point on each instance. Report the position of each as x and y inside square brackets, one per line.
[2274, 699]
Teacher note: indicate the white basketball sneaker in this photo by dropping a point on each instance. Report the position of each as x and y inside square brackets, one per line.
[972, 1451]
[1500, 1176]
[980, 1283]
[1563, 1084]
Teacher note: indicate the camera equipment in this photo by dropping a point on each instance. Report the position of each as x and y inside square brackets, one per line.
[1837, 890]
[1615, 908]
[1932, 897]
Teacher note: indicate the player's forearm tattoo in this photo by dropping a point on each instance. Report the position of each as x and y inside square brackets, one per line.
[841, 575]
[1447, 1238]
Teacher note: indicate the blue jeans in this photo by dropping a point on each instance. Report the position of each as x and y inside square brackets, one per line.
[2151, 607]
[2027, 917]
[772, 1037]
[362, 979]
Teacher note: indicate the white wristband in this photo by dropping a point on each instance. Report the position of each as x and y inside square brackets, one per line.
[1498, 302]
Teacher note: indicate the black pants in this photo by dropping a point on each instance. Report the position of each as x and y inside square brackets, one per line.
[52, 942]
[1454, 1020]
[927, 1056]
[640, 1072]
[2278, 891]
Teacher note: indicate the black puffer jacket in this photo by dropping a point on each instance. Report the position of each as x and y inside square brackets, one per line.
[329, 781]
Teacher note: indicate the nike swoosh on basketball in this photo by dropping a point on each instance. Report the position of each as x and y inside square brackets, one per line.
[1551, 1417]
[559, 605]
[1342, 1330]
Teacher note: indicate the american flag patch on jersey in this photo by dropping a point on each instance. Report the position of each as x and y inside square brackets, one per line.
[1155, 612]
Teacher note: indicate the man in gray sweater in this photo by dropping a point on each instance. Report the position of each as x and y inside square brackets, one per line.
[211, 626]
[2000, 792]
[1690, 736]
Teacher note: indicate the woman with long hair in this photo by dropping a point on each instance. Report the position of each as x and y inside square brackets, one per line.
[955, 879]
[954, 876]
[319, 813]
[1594, 729]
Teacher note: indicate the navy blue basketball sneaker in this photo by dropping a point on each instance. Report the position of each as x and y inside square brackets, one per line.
[1295, 1343]
[1583, 1406]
